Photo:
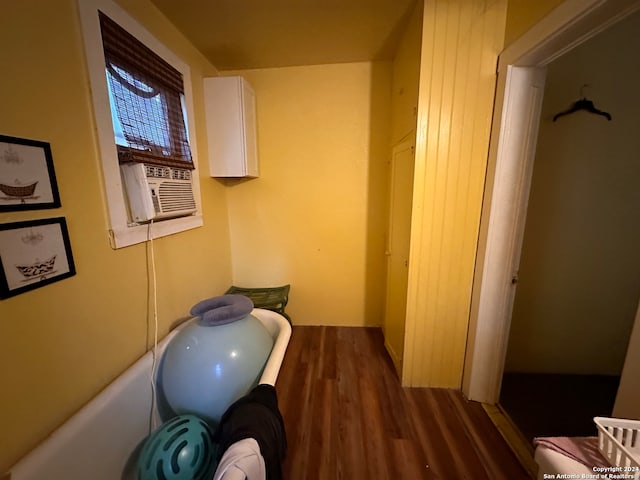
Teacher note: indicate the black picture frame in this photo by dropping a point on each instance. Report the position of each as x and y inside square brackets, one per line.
[27, 177]
[33, 254]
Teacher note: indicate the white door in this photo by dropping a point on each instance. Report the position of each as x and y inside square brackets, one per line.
[524, 90]
[401, 191]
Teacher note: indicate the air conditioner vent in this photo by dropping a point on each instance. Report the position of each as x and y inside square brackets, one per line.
[176, 196]
[154, 171]
[181, 174]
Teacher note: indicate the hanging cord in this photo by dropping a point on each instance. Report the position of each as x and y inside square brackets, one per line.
[155, 327]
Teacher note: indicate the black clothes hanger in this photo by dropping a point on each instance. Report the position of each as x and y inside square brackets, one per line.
[582, 104]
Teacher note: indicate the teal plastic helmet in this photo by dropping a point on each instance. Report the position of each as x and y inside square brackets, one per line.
[181, 449]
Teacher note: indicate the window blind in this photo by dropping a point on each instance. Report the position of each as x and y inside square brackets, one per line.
[146, 100]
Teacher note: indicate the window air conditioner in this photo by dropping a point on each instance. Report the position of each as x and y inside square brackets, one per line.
[158, 192]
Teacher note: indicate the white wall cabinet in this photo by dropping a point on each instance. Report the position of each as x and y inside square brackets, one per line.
[230, 106]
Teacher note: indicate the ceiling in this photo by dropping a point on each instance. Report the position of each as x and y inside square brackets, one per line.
[244, 34]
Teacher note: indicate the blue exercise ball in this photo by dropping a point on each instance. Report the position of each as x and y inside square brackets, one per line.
[181, 449]
[206, 368]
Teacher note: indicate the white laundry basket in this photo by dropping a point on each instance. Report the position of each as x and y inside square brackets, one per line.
[619, 442]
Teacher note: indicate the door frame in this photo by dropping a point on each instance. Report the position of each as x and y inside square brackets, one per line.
[509, 171]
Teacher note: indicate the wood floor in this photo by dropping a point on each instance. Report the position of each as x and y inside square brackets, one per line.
[347, 417]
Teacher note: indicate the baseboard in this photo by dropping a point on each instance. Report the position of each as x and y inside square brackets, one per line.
[520, 446]
[397, 361]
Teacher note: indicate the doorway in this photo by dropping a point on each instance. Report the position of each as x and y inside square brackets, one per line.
[579, 270]
[518, 103]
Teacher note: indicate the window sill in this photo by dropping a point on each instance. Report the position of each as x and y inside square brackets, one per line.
[127, 236]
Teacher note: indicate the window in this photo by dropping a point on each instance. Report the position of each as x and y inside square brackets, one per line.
[142, 104]
[146, 99]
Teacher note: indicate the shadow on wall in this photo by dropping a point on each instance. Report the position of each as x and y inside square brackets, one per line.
[377, 191]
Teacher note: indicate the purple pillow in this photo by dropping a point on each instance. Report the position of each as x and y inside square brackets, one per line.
[222, 310]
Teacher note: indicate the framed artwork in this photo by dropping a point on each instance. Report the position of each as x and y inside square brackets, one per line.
[27, 177]
[33, 254]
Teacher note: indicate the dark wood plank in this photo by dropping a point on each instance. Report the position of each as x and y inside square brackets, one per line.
[348, 417]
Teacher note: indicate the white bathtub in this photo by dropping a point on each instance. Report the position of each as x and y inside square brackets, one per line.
[97, 442]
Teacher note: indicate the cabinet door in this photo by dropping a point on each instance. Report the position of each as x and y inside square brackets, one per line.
[231, 131]
[250, 131]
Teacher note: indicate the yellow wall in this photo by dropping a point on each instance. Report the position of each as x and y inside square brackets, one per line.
[460, 44]
[316, 216]
[62, 343]
[406, 79]
[523, 14]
